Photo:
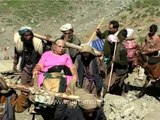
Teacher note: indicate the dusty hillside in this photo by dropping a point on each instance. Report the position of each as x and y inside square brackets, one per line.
[140, 15]
[46, 17]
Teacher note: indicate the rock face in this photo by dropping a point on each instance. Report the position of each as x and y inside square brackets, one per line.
[6, 65]
[130, 107]
[152, 116]
[118, 108]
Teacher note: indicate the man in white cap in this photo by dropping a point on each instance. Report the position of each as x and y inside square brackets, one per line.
[112, 29]
[120, 68]
[68, 36]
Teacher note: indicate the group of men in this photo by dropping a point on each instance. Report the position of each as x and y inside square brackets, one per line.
[90, 77]
[30, 49]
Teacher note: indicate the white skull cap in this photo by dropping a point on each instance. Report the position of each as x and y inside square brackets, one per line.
[112, 38]
[66, 27]
[130, 33]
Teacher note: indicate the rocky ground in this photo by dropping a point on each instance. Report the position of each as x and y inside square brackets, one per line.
[85, 17]
[129, 107]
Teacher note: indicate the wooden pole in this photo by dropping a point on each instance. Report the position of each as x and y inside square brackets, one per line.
[61, 95]
[111, 72]
[43, 37]
[95, 31]
[68, 44]
[18, 87]
[35, 79]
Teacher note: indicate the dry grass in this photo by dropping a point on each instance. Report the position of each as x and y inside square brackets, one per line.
[32, 11]
[140, 16]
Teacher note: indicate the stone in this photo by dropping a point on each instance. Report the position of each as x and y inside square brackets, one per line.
[2, 30]
[38, 25]
[152, 116]
[6, 65]
[111, 116]
[127, 109]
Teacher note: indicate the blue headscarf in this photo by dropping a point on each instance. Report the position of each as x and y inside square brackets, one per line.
[23, 30]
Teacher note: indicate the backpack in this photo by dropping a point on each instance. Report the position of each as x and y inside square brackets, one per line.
[37, 43]
[131, 47]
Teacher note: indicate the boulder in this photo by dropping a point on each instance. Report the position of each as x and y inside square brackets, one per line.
[152, 116]
[6, 65]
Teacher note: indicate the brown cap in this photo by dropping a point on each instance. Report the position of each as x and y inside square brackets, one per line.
[87, 101]
[87, 48]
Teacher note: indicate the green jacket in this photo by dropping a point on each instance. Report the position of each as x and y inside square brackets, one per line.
[121, 61]
[103, 35]
[73, 52]
[108, 47]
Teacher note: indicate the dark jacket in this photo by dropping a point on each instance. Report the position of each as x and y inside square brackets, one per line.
[94, 71]
[121, 61]
[29, 57]
[78, 114]
[73, 52]
[103, 35]
[108, 47]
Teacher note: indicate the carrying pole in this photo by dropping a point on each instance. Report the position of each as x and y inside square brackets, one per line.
[68, 44]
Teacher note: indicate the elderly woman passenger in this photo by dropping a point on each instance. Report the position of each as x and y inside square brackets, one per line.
[58, 60]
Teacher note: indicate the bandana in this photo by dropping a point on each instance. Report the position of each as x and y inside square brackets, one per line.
[23, 30]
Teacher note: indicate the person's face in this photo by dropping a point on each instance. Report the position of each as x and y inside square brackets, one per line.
[68, 34]
[59, 47]
[111, 29]
[86, 55]
[89, 112]
[27, 36]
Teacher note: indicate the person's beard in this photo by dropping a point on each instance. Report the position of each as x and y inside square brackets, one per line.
[28, 43]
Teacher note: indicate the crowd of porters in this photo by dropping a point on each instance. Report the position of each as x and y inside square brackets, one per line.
[66, 83]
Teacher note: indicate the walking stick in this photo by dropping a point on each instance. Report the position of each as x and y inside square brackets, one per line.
[95, 32]
[110, 75]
